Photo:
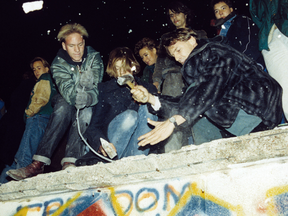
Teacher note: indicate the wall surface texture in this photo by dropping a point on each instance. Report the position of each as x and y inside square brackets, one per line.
[246, 175]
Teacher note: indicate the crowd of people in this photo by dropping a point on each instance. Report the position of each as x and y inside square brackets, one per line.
[194, 89]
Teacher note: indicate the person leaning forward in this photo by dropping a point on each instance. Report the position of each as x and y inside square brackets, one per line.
[77, 70]
[225, 87]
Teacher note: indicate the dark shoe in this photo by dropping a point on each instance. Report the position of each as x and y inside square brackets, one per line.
[31, 170]
[68, 165]
[89, 159]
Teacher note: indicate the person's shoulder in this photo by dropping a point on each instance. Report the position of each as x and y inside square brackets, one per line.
[45, 76]
[242, 19]
[58, 60]
[91, 50]
[201, 34]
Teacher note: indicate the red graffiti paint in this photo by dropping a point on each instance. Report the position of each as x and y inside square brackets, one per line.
[94, 209]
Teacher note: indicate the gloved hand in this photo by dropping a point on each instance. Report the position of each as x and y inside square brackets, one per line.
[83, 99]
[86, 79]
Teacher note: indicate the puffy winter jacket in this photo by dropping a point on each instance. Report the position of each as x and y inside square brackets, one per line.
[66, 73]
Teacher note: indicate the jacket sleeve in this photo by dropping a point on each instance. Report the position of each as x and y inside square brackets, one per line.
[159, 67]
[257, 14]
[97, 68]
[208, 87]
[42, 92]
[65, 79]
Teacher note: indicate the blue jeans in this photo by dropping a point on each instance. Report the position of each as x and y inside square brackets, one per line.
[205, 131]
[62, 118]
[34, 131]
[125, 128]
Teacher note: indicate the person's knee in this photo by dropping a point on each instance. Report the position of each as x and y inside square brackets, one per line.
[61, 107]
[129, 120]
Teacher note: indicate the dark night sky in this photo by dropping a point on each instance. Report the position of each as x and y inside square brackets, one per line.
[110, 23]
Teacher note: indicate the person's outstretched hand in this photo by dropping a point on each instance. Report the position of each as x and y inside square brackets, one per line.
[161, 132]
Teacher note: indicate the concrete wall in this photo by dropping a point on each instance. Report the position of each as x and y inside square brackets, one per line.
[247, 175]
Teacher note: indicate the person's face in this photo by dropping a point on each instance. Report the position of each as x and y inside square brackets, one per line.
[222, 10]
[148, 56]
[119, 69]
[182, 49]
[39, 69]
[178, 19]
[74, 45]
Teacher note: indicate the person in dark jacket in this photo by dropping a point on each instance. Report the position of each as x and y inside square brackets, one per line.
[76, 70]
[117, 118]
[240, 31]
[225, 86]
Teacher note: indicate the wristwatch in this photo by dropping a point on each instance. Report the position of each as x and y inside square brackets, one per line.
[173, 120]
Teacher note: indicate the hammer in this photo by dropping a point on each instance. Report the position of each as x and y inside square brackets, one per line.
[126, 79]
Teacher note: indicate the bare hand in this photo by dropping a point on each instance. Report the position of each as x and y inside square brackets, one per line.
[140, 94]
[161, 132]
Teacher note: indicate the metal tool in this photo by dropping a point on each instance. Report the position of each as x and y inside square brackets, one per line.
[126, 79]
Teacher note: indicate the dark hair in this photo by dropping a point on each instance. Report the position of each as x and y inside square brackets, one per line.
[179, 7]
[182, 34]
[128, 61]
[145, 42]
[228, 2]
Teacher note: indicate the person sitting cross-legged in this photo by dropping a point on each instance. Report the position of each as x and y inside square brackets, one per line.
[117, 118]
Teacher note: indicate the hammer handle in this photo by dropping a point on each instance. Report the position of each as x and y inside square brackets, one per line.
[130, 84]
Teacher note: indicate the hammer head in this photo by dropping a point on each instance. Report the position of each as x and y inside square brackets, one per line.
[126, 79]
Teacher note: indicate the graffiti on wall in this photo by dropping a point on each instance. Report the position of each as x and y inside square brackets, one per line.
[162, 199]
[276, 202]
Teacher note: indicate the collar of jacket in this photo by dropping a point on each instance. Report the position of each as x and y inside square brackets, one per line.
[64, 55]
[203, 43]
[219, 22]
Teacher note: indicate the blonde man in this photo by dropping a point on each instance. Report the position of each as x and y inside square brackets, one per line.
[77, 70]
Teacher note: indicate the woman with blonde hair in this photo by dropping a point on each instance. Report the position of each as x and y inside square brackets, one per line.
[117, 118]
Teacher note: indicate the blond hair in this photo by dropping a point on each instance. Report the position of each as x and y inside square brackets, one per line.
[125, 55]
[68, 29]
[44, 62]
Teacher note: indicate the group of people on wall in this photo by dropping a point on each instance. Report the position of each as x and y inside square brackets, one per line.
[194, 89]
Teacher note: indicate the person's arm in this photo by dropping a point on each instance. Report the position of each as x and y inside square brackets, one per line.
[161, 131]
[41, 96]
[199, 98]
[157, 75]
[97, 69]
[63, 78]
[141, 95]
[256, 13]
